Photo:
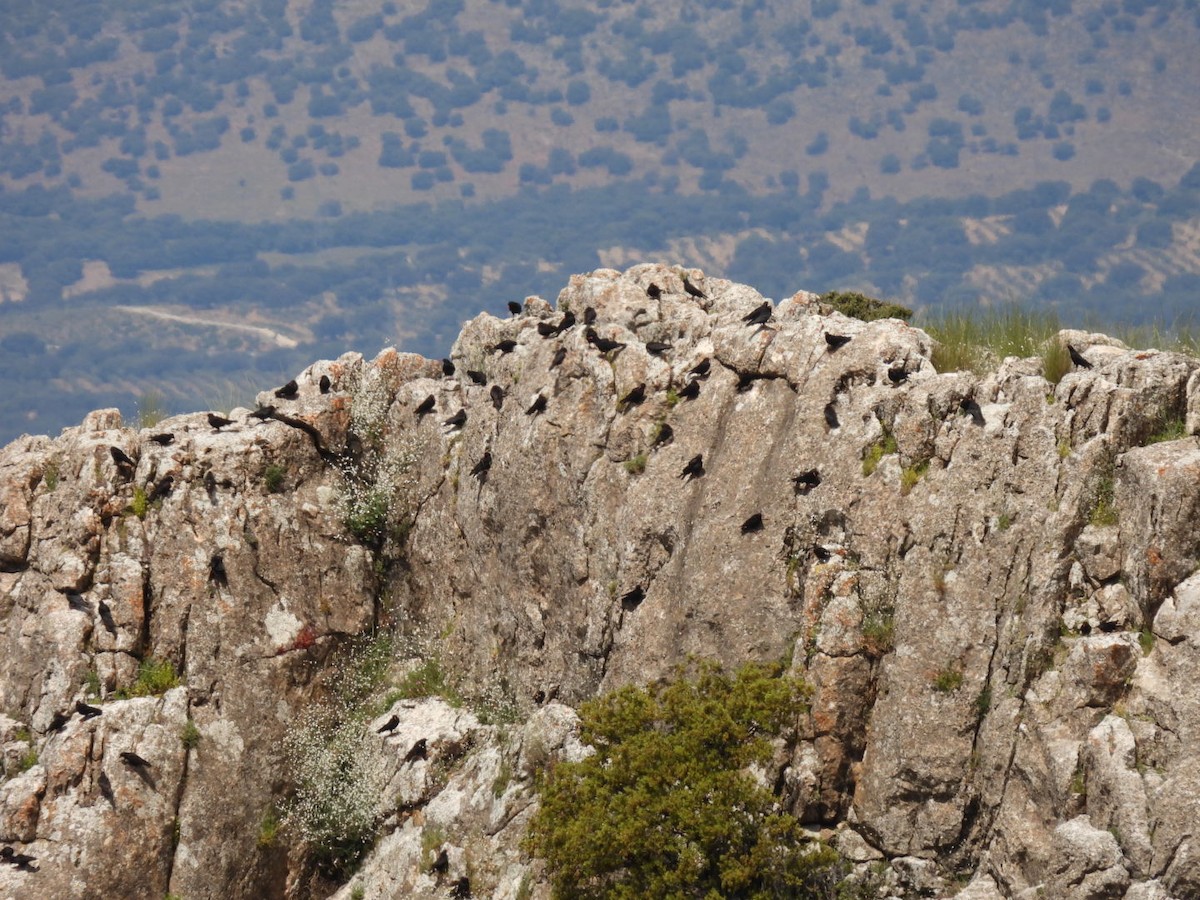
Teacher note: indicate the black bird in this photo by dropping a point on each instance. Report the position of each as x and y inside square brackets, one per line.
[897, 374]
[481, 468]
[746, 381]
[634, 397]
[288, 391]
[1109, 627]
[589, 316]
[106, 618]
[58, 721]
[163, 439]
[663, 436]
[389, 725]
[604, 345]
[692, 289]
[106, 790]
[218, 422]
[132, 760]
[216, 571]
[559, 355]
[694, 468]
[120, 458]
[77, 603]
[210, 485]
[426, 405]
[546, 330]
[700, 369]
[1077, 358]
[262, 413]
[506, 346]
[690, 391]
[497, 395]
[821, 553]
[461, 888]
[539, 697]
[753, 524]
[476, 377]
[970, 408]
[567, 322]
[538, 405]
[514, 307]
[657, 348]
[653, 291]
[447, 368]
[631, 600]
[88, 712]
[836, 340]
[458, 420]
[324, 384]
[21, 861]
[441, 863]
[419, 750]
[831, 418]
[162, 489]
[760, 315]
[806, 481]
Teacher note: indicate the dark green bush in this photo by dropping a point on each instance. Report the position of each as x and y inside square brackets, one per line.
[860, 306]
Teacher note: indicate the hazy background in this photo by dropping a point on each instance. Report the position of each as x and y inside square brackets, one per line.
[200, 198]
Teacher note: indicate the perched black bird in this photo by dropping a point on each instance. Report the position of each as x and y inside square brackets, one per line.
[20, 861]
[657, 348]
[546, 330]
[121, 459]
[694, 468]
[897, 374]
[806, 481]
[77, 603]
[1109, 627]
[506, 346]
[210, 485]
[480, 469]
[476, 377]
[497, 395]
[88, 712]
[821, 553]
[700, 369]
[324, 384]
[970, 408]
[690, 391]
[106, 618]
[461, 888]
[441, 863]
[831, 418]
[58, 721]
[692, 289]
[604, 345]
[836, 340]
[653, 291]
[419, 750]
[458, 420]
[746, 381]
[514, 307]
[589, 316]
[567, 322]
[539, 697]
[447, 368]
[634, 397]
[134, 761]
[663, 436]
[760, 315]
[559, 355]
[1077, 358]
[288, 391]
[426, 405]
[218, 422]
[631, 600]
[163, 439]
[106, 790]
[216, 571]
[262, 413]
[538, 405]
[389, 725]
[753, 524]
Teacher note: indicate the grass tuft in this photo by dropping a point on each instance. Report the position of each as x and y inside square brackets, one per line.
[948, 680]
[868, 309]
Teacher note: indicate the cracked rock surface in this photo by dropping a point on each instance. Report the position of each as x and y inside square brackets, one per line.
[1004, 679]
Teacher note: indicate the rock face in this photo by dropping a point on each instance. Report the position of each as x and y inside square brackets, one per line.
[989, 581]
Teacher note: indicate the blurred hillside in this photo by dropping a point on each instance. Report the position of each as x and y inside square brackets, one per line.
[202, 196]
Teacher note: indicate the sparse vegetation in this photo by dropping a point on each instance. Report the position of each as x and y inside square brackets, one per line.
[948, 680]
[1056, 362]
[636, 465]
[1146, 640]
[268, 829]
[979, 340]
[860, 306]
[983, 701]
[273, 478]
[155, 677]
[1167, 428]
[91, 684]
[878, 629]
[426, 680]
[885, 446]
[139, 504]
[910, 475]
[151, 409]
[189, 735]
[1104, 509]
[51, 475]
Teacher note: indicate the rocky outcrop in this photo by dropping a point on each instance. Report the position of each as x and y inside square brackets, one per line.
[988, 580]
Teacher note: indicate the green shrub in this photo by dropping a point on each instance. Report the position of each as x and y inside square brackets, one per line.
[51, 475]
[637, 465]
[948, 680]
[1056, 362]
[268, 828]
[1167, 428]
[910, 475]
[155, 677]
[977, 341]
[1146, 640]
[878, 628]
[885, 446]
[273, 478]
[426, 680]
[189, 735]
[860, 306]
[139, 504]
[665, 807]
[1104, 509]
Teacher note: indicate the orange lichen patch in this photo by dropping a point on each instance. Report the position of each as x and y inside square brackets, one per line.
[305, 639]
